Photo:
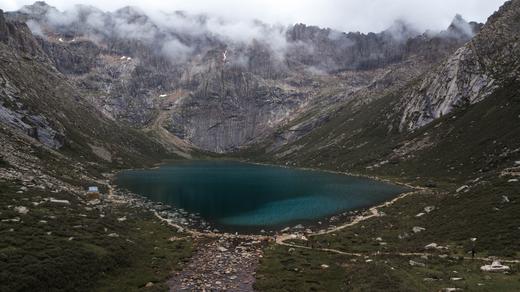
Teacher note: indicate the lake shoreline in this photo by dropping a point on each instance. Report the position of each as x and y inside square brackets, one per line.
[316, 226]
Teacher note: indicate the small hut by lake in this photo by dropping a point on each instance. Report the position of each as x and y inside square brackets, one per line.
[93, 193]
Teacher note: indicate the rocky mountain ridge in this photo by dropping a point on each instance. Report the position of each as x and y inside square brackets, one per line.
[468, 76]
[457, 119]
[235, 91]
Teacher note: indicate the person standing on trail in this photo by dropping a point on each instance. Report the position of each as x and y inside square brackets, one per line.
[473, 250]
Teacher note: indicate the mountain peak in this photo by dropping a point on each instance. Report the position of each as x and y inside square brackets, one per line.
[37, 8]
[459, 27]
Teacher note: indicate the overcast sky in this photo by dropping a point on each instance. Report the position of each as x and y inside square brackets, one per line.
[345, 15]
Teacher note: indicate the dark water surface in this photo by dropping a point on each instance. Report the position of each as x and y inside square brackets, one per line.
[233, 195]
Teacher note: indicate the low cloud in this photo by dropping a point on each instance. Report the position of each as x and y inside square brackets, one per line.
[352, 15]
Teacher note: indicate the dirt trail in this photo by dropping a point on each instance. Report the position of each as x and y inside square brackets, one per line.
[374, 212]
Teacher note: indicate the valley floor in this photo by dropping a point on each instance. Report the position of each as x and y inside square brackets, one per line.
[418, 242]
[52, 239]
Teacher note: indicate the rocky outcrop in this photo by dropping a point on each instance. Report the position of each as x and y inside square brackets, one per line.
[460, 81]
[469, 75]
[331, 50]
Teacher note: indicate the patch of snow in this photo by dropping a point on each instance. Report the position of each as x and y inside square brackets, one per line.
[224, 56]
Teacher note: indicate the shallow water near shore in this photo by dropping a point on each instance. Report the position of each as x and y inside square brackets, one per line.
[234, 196]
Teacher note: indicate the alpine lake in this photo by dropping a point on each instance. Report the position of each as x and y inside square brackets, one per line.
[240, 197]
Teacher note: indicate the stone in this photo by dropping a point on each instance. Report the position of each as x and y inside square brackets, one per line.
[505, 199]
[56, 201]
[148, 285]
[513, 180]
[431, 246]
[495, 266]
[429, 209]
[417, 229]
[94, 202]
[222, 249]
[21, 210]
[416, 264]
[462, 188]
[324, 266]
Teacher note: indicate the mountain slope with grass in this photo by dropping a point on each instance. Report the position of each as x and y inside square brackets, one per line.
[472, 135]
[53, 145]
[467, 159]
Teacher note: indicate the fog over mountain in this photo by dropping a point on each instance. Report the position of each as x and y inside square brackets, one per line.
[352, 15]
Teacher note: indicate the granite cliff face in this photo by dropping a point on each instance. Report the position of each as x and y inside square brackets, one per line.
[468, 76]
[221, 92]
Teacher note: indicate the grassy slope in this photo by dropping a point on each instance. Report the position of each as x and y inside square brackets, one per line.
[31, 259]
[78, 254]
[477, 142]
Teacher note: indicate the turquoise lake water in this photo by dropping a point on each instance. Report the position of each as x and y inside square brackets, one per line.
[233, 195]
